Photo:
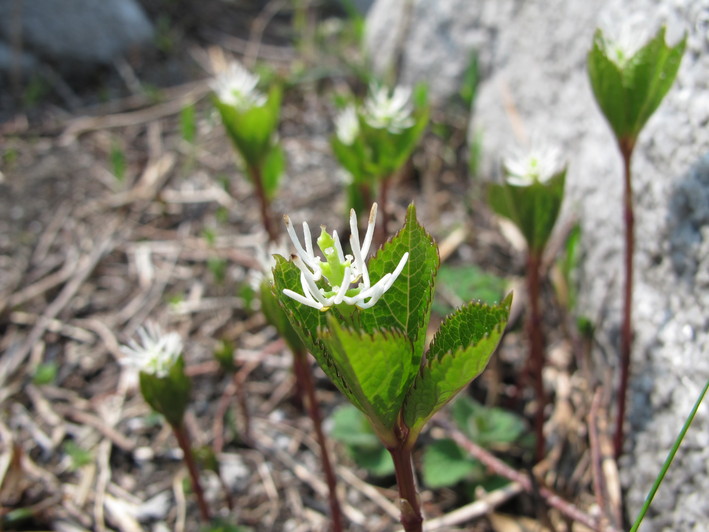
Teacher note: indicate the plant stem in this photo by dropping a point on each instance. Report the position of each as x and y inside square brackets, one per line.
[305, 380]
[183, 440]
[264, 203]
[411, 517]
[536, 347]
[668, 460]
[626, 334]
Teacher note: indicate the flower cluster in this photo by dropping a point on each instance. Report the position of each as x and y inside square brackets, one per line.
[156, 353]
[538, 165]
[236, 86]
[390, 110]
[345, 278]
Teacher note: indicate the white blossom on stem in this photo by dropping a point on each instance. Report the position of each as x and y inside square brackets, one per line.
[347, 125]
[538, 165]
[236, 86]
[339, 278]
[390, 110]
[156, 352]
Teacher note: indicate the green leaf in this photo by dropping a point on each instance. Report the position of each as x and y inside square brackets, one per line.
[534, 209]
[406, 306]
[168, 395]
[487, 426]
[378, 368]
[276, 316]
[629, 93]
[445, 464]
[252, 131]
[466, 283]
[351, 427]
[273, 167]
[459, 352]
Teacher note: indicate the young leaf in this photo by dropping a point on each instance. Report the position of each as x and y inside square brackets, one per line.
[378, 367]
[459, 352]
[276, 316]
[168, 395]
[351, 427]
[486, 426]
[445, 464]
[306, 321]
[629, 91]
[407, 304]
[533, 209]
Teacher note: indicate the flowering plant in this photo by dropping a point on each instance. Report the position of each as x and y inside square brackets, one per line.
[365, 323]
[531, 194]
[163, 383]
[531, 197]
[250, 118]
[374, 139]
[629, 84]
[166, 388]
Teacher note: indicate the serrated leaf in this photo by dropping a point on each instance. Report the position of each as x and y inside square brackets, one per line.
[276, 316]
[378, 368]
[445, 464]
[533, 209]
[306, 322]
[406, 306]
[459, 352]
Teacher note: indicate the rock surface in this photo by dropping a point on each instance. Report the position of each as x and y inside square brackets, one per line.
[533, 63]
[74, 34]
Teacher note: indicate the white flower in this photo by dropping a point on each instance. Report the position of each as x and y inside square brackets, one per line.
[236, 86]
[156, 353]
[538, 165]
[631, 36]
[343, 278]
[347, 125]
[266, 260]
[391, 110]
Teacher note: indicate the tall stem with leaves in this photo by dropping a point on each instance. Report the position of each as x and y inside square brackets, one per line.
[365, 323]
[531, 198]
[166, 388]
[629, 86]
[250, 118]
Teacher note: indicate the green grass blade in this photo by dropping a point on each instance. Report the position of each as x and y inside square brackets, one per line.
[668, 461]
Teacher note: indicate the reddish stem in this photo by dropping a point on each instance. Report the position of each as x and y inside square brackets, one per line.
[264, 203]
[411, 517]
[626, 334]
[304, 378]
[183, 440]
[536, 347]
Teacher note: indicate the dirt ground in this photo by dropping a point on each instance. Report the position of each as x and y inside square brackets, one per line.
[110, 215]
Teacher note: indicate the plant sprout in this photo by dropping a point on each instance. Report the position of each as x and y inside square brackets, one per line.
[250, 118]
[373, 351]
[531, 197]
[166, 388]
[629, 83]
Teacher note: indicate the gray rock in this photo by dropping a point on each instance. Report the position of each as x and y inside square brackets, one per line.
[535, 84]
[75, 33]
